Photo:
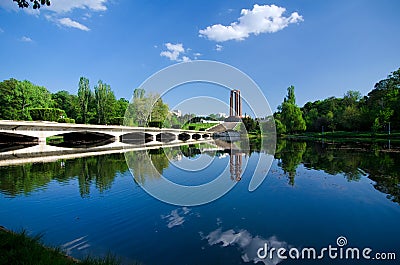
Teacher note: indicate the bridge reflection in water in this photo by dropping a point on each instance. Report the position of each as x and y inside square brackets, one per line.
[25, 142]
[35, 142]
[21, 175]
[186, 149]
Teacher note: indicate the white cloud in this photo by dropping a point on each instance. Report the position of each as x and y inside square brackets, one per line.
[87, 16]
[246, 243]
[26, 39]
[67, 22]
[8, 5]
[58, 8]
[261, 19]
[63, 6]
[186, 59]
[13, 6]
[174, 52]
[1, 30]
[197, 55]
[218, 47]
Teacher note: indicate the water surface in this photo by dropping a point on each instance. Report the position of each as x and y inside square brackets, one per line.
[313, 194]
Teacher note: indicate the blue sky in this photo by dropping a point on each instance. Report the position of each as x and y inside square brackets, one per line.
[323, 48]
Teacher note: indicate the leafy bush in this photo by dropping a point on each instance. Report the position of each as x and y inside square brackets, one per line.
[47, 114]
[66, 120]
[117, 121]
[157, 124]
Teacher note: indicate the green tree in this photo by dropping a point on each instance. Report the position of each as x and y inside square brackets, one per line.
[121, 106]
[67, 102]
[383, 102]
[139, 109]
[250, 125]
[17, 97]
[160, 111]
[351, 118]
[139, 93]
[8, 100]
[146, 108]
[280, 127]
[311, 117]
[351, 114]
[291, 114]
[84, 96]
[105, 102]
[290, 98]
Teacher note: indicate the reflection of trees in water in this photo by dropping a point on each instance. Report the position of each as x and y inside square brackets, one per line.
[24, 179]
[147, 165]
[191, 150]
[100, 170]
[334, 160]
[353, 161]
[384, 169]
[265, 143]
[289, 155]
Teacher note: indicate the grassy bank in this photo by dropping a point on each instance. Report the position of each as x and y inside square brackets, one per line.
[346, 136]
[198, 126]
[19, 248]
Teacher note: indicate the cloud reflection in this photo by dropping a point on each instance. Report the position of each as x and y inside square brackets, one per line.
[176, 217]
[246, 243]
[78, 244]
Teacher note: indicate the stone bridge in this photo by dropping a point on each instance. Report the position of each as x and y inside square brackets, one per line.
[43, 130]
[112, 136]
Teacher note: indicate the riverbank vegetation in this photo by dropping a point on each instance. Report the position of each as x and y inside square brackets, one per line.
[373, 115]
[22, 100]
[19, 248]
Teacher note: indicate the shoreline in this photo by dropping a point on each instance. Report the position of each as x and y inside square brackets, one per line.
[21, 248]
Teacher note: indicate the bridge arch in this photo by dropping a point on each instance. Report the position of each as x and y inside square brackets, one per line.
[165, 137]
[183, 137]
[83, 139]
[196, 136]
[136, 138]
[7, 137]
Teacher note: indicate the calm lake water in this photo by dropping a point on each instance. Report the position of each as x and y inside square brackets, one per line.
[313, 193]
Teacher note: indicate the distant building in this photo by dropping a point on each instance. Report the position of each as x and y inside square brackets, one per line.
[176, 112]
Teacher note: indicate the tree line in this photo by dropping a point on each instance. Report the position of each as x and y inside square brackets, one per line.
[377, 111]
[22, 100]
[381, 167]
